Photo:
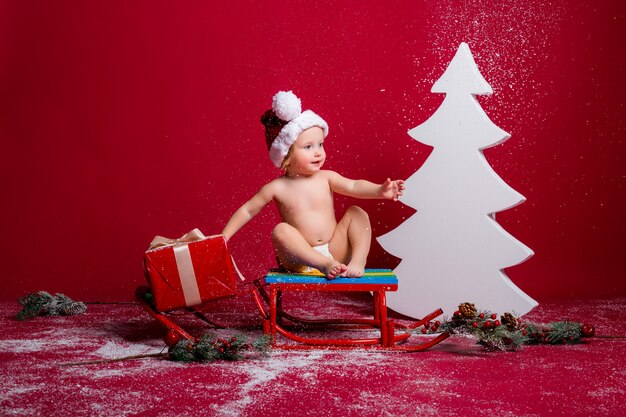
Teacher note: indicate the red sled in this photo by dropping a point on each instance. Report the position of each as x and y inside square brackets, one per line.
[194, 269]
[189, 273]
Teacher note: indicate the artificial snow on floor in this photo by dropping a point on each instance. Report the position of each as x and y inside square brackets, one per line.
[456, 377]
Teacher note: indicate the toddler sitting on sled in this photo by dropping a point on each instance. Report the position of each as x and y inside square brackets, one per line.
[309, 236]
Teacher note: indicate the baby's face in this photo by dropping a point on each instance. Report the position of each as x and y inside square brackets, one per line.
[308, 152]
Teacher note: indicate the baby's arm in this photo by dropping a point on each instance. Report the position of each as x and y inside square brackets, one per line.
[250, 209]
[389, 190]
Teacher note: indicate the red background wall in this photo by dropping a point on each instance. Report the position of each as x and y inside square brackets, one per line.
[122, 120]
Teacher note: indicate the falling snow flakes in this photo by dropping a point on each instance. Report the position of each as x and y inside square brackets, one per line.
[511, 42]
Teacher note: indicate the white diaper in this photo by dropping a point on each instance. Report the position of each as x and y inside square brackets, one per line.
[321, 249]
[324, 250]
[304, 269]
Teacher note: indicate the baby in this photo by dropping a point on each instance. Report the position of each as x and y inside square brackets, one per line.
[309, 237]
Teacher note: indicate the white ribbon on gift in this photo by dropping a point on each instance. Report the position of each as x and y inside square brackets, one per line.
[188, 281]
[192, 236]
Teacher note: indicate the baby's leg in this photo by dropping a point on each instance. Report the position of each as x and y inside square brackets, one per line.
[351, 241]
[294, 251]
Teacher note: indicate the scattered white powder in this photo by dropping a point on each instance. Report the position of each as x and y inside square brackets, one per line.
[428, 384]
[113, 349]
[10, 388]
[37, 345]
[262, 372]
[606, 392]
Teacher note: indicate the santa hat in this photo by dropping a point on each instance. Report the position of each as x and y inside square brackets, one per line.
[284, 122]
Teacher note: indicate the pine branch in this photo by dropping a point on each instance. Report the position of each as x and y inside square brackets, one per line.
[33, 304]
[43, 304]
[263, 345]
[508, 333]
[210, 348]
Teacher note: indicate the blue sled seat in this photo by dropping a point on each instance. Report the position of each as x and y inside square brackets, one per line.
[371, 277]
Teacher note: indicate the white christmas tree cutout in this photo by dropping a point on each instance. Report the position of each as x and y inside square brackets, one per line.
[452, 249]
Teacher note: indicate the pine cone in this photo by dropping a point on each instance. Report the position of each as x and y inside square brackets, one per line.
[509, 321]
[467, 310]
[74, 308]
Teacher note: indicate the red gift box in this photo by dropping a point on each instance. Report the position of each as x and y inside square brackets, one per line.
[189, 271]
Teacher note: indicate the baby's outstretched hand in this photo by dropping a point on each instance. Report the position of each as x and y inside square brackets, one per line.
[391, 190]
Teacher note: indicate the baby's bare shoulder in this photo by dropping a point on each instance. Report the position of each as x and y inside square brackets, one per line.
[331, 177]
[327, 174]
[276, 183]
[275, 187]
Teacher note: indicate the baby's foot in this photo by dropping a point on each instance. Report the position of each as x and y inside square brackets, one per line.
[334, 269]
[354, 270]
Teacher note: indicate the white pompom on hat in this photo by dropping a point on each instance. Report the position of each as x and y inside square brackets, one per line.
[286, 105]
[284, 122]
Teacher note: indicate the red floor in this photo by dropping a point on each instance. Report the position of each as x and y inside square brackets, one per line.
[456, 378]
